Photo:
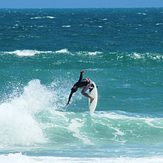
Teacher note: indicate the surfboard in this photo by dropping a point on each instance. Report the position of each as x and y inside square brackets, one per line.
[93, 93]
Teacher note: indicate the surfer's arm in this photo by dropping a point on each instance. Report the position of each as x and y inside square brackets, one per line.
[69, 98]
[81, 75]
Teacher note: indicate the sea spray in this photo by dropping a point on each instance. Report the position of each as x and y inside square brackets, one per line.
[18, 124]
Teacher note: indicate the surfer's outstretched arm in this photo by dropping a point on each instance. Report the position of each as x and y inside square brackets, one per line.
[69, 98]
[75, 87]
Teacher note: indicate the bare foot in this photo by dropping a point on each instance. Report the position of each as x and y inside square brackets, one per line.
[91, 100]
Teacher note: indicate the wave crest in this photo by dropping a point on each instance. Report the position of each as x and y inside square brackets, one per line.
[18, 123]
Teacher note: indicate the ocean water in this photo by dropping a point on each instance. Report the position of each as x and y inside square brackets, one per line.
[42, 52]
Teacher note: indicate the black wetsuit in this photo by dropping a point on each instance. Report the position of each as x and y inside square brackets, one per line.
[79, 84]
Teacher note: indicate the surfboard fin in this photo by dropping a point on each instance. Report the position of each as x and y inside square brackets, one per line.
[91, 88]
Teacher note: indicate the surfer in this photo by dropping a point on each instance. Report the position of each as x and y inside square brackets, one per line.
[85, 84]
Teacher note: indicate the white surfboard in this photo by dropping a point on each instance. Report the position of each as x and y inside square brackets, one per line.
[93, 93]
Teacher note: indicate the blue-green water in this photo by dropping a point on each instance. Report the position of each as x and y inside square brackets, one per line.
[42, 52]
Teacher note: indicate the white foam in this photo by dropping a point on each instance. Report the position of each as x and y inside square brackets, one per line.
[27, 53]
[18, 124]
[158, 24]
[74, 127]
[105, 19]
[36, 97]
[118, 134]
[66, 26]
[65, 51]
[154, 123]
[156, 57]
[112, 115]
[19, 158]
[50, 17]
[152, 56]
[94, 53]
[142, 13]
[136, 56]
[43, 17]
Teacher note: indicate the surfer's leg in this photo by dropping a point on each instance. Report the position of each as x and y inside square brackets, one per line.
[83, 92]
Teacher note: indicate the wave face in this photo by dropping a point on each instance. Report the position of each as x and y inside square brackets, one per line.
[42, 53]
[37, 115]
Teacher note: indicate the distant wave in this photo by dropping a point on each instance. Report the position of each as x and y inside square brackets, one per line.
[66, 26]
[63, 51]
[159, 24]
[113, 56]
[145, 56]
[89, 53]
[94, 53]
[26, 53]
[130, 57]
[43, 17]
[142, 13]
[30, 53]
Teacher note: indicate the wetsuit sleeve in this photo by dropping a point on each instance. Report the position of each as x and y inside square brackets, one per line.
[69, 98]
[81, 77]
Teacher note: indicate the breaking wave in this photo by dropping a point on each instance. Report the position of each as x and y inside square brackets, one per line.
[38, 116]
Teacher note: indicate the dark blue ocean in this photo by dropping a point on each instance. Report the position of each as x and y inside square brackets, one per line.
[42, 52]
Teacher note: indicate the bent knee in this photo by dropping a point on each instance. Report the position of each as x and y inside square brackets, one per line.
[83, 91]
